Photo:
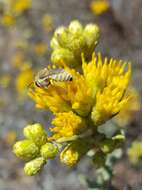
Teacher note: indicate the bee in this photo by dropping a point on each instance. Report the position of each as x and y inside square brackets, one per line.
[45, 77]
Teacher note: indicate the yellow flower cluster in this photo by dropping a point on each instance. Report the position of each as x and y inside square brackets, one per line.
[18, 6]
[23, 80]
[12, 9]
[67, 124]
[7, 20]
[96, 95]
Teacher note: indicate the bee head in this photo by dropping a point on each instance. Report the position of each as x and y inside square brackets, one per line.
[71, 79]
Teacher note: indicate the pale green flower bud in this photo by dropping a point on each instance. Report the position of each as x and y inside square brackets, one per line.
[49, 150]
[55, 40]
[77, 40]
[77, 45]
[92, 34]
[25, 149]
[60, 56]
[34, 166]
[59, 31]
[54, 43]
[75, 27]
[62, 36]
[36, 133]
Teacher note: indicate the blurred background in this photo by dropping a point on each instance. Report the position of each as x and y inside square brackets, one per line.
[26, 28]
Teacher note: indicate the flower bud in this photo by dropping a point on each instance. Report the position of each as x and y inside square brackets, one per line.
[62, 36]
[36, 133]
[34, 166]
[59, 31]
[69, 157]
[92, 34]
[107, 146]
[78, 45]
[77, 40]
[61, 55]
[75, 27]
[73, 152]
[49, 150]
[54, 43]
[25, 149]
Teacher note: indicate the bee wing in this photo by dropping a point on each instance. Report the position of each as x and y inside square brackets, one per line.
[42, 74]
[55, 71]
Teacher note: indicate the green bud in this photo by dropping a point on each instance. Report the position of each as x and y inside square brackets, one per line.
[60, 56]
[36, 133]
[107, 146]
[75, 27]
[92, 34]
[77, 45]
[54, 43]
[119, 137]
[25, 149]
[49, 150]
[59, 31]
[62, 36]
[34, 166]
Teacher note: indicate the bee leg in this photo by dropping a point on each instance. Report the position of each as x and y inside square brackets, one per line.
[51, 82]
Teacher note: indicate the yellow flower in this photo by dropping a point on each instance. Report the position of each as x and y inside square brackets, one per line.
[132, 105]
[64, 96]
[7, 20]
[67, 124]
[10, 137]
[40, 48]
[135, 152]
[108, 104]
[19, 6]
[101, 73]
[98, 93]
[99, 6]
[53, 99]
[47, 22]
[109, 87]
[23, 80]
[18, 59]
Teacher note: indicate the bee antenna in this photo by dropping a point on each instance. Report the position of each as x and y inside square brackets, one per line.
[30, 84]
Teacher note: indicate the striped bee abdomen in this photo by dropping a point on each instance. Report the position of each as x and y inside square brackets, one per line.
[61, 75]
